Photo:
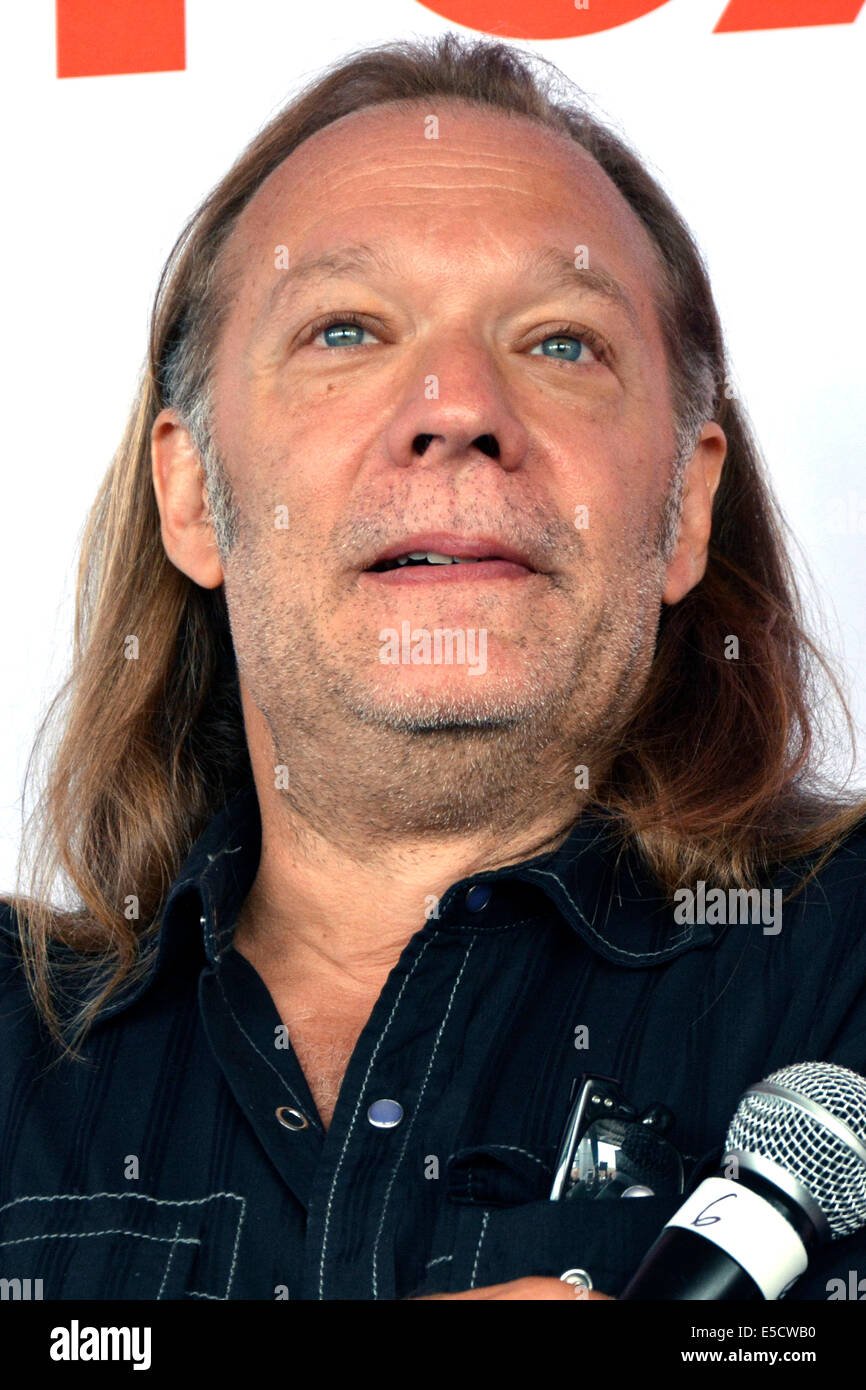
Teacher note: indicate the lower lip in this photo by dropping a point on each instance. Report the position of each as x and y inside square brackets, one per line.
[474, 573]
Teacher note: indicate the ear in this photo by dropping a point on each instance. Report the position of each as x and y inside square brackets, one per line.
[703, 471]
[181, 495]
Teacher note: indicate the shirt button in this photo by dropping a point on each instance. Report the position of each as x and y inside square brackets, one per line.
[478, 897]
[385, 1114]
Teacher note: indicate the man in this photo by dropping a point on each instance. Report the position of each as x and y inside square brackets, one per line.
[436, 632]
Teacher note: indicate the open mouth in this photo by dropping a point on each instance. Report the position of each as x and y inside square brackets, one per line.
[437, 555]
[427, 557]
[447, 557]
[433, 568]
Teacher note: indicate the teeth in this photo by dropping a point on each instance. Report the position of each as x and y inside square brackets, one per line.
[434, 558]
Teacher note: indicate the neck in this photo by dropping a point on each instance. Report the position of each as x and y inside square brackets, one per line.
[372, 828]
[326, 909]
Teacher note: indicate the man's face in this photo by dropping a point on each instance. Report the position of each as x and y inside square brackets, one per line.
[489, 393]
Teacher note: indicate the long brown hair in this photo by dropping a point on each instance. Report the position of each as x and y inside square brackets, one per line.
[717, 775]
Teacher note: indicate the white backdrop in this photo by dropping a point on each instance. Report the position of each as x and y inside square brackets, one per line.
[758, 136]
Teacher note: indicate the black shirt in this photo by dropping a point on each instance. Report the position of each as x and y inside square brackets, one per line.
[161, 1165]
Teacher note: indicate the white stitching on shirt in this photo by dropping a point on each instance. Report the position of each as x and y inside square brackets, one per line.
[402, 1152]
[174, 1246]
[488, 931]
[363, 1088]
[620, 950]
[83, 1235]
[235, 1251]
[129, 1196]
[138, 1197]
[478, 1248]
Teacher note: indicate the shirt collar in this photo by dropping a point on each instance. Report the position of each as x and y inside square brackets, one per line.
[606, 897]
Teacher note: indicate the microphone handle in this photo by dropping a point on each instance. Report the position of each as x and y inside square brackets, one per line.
[684, 1265]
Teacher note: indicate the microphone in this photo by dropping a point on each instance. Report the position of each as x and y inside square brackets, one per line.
[797, 1148]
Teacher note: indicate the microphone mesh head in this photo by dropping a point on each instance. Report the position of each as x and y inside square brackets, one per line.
[827, 1166]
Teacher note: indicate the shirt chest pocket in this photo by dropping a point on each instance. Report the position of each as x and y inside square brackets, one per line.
[477, 1246]
[121, 1245]
[495, 1225]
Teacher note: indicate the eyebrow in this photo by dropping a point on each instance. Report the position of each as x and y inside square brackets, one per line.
[548, 263]
[557, 267]
[345, 261]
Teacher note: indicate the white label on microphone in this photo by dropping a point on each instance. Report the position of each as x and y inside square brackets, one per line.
[748, 1229]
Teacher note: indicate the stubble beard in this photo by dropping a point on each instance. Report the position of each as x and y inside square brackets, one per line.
[494, 753]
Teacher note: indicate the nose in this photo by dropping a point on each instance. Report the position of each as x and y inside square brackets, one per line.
[456, 408]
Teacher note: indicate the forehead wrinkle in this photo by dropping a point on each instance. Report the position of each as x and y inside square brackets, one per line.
[391, 192]
[461, 166]
[467, 125]
[314, 164]
[338, 174]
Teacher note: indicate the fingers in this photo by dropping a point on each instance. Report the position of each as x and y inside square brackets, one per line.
[531, 1289]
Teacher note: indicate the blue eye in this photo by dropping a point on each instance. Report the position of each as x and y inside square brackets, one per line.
[565, 347]
[342, 333]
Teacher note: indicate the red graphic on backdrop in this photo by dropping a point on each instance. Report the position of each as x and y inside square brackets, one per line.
[98, 37]
[786, 14]
[561, 19]
[549, 19]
